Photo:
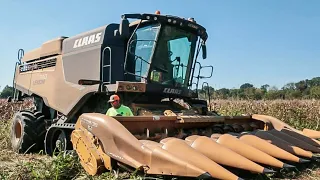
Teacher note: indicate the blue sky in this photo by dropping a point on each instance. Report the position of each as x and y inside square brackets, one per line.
[261, 42]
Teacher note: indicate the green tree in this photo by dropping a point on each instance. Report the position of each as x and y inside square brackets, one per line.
[234, 93]
[301, 85]
[259, 93]
[263, 90]
[293, 94]
[6, 92]
[246, 85]
[265, 87]
[223, 93]
[315, 92]
[289, 86]
[303, 89]
[249, 93]
[315, 81]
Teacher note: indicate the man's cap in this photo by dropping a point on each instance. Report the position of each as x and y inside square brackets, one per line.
[114, 98]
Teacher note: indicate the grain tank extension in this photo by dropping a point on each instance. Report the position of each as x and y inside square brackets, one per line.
[153, 64]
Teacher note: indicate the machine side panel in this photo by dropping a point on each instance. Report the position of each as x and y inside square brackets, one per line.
[42, 78]
[84, 64]
[22, 80]
[81, 56]
[58, 84]
[49, 83]
[66, 95]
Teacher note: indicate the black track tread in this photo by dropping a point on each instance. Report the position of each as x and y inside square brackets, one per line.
[217, 129]
[34, 131]
[40, 121]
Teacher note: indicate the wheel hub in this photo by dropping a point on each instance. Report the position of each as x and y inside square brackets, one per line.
[59, 141]
[59, 145]
[18, 130]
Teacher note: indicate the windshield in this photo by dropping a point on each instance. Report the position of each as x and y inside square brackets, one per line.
[173, 57]
[142, 47]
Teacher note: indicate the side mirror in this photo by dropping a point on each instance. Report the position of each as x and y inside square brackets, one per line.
[204, 51]
[206, 67]
[124, 28]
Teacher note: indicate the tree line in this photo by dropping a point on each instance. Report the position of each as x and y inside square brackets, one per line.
[6, 92]
[304, 89]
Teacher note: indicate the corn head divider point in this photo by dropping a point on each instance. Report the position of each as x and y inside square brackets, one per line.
[152, 65]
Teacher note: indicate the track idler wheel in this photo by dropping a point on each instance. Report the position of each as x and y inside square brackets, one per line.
[57, 140]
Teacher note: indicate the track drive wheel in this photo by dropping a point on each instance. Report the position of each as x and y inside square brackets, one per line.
[27, 132]
[57, 140]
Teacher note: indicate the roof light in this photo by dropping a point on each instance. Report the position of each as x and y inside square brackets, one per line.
[191, 19]
[157, 12]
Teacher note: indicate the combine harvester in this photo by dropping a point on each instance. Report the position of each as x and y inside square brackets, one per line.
[151, 63]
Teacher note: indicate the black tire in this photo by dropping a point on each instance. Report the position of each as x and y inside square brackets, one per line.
[27, 132]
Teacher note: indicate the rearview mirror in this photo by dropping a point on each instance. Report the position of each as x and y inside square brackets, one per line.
[124, 28]
[204, 51]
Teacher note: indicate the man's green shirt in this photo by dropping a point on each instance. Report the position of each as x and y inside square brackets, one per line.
[122, 110]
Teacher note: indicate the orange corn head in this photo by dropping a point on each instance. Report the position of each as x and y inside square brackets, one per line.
[202, 147]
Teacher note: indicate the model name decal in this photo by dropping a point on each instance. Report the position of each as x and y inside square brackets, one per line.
[94, 38]
[114, 155]
[89, 123]
[172, 91]
[41, 80]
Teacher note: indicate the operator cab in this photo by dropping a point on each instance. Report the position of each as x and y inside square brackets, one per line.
[160, 58]
[163, 50]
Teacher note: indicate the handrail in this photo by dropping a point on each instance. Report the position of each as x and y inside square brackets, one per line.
[103, 65]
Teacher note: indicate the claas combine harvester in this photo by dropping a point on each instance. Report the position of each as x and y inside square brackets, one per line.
[151, 63]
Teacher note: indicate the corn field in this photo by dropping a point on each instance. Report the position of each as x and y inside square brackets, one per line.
[297, 113]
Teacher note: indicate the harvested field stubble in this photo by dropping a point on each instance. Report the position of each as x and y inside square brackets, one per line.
[298, 113]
